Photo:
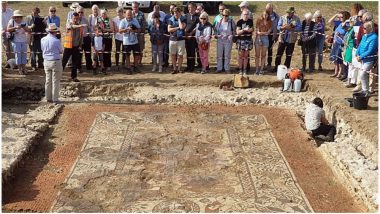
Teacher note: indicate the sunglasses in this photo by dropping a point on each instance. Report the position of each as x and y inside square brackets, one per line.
[365, 28]
[221, 9]
[225, 15]
[80, 12]
[360, 16]
[203, 18]
[53, 11]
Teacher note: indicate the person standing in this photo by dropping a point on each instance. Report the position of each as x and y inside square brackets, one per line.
[86, 46]
[72, 43]
[106, 26]
[156, 9]
[129, 27]
[320, 37]
[6, 15]
[51, 52]
[367, 54]
[244, 44]
[289, 25]
[37, 25]
[166, 41]
[18, 28]
[119, 38]
[73, 8]
[176, 28]
[157, 37]
[139, 15]
[263, 29]
[308, 42]
[224, 32]
[53, 18]
[192, 20]
[203, 34]
[273, 35]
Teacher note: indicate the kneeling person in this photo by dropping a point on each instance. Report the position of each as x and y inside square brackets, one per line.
[316, 121]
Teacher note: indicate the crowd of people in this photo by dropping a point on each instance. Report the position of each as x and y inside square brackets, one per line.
[174, 35]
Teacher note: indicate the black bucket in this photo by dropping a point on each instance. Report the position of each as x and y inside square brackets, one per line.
[360, 101]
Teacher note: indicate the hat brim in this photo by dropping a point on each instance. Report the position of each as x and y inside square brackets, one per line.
[48, 30]
[18, 15]
[290, 11]
[243, 5]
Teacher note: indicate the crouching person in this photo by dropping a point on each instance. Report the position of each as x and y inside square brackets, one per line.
[316, 122]
[51, 53]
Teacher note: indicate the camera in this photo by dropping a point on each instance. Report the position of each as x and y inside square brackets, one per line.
[23, 25]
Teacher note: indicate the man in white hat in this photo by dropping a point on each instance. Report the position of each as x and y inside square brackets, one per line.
[6, 15]
[73, 8]
[51, 52]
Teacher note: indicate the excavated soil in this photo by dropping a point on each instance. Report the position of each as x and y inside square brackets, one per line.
[38, 181]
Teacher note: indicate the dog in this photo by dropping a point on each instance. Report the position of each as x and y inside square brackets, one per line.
[12, 63]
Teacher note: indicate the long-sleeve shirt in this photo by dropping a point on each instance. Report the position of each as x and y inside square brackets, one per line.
[368, 47]
[289, 36]
[86, 29]
[308, 34]
[5, 17]
[203, 33]
[51, 48]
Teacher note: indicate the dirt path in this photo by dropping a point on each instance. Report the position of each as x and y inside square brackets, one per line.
[39, 180]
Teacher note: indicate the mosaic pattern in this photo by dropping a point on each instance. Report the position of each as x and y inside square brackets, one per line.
[174, 162]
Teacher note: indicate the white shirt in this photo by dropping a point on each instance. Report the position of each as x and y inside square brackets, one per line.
[116, 21]
[5, 17]
[313, 116]
[20, 35]
[98, 43]
[205, 36]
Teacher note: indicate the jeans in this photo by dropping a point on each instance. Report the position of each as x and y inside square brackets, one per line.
[270, 49]
[364, 75]
[75, 55]
[157, 51]
[223, 51]
[36, 52]
[320, 40]
[53, 71]
[282, 46]
[20, 49]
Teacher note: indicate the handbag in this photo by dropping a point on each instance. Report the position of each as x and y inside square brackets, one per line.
[204, 46]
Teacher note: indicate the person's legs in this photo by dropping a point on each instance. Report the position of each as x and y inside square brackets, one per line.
[270, 50]
[304, 57]
[136, 55]
[181, 50]
[280, 52]
[245, 60]
[48, 67]
[160, 52]
[258, 58]
[263, 51]
[56, 79]
[325, 130]
[219, 55]
[76, 61]
[87, 49]
[118, 45]
[364, 75]
[227, 55]
[319, 50]
[66, 55]
[289, 53]
[107, 50]
[33, 54]
[312, 57]
[154, 55]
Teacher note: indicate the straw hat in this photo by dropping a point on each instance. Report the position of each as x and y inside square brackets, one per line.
[74, 5]
[52, 28]
[17, 13]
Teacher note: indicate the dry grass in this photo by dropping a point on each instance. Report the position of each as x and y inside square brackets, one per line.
[328, 9]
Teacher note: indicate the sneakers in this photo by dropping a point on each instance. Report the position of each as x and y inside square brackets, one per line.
[320, 68]
[159, 69]
[154, 68]
[174, 71]
[34, 69]
[75, 80]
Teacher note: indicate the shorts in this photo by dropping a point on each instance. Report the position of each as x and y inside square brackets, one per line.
[244, 45]
[97, 57]
[262, 40]
[177, 47]
[128, 48]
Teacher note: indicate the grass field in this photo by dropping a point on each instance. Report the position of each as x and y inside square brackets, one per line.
[328, 9]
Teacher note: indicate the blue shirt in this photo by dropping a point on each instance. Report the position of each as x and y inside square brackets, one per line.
[321, 28]
[54, 19]
[51, 47]
[178, 34]
[339, 35]
[131, 37]
[368, 47]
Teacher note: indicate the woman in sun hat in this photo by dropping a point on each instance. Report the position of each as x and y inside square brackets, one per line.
[18, 28]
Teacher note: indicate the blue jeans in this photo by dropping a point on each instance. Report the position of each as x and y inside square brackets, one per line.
[20, 49]
[320, 40]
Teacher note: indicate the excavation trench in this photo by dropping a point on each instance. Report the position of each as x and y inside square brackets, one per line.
[243, 150]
